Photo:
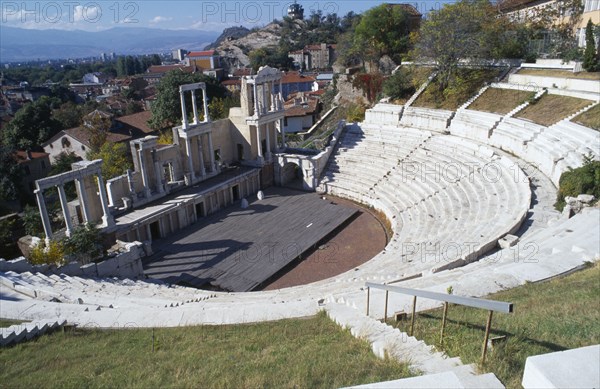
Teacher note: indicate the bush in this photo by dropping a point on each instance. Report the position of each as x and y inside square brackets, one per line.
[356, 113]
[399, 85]
[84, 244]
[32, 222]
[583, 180]
[53, 254]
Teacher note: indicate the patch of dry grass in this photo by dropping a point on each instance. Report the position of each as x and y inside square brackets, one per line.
[551, 108]
[590, 118]
[560, 74]
[500, 101]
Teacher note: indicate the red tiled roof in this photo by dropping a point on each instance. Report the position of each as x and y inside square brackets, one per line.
[207, 53]
[83, 135]
[21, 156]
[295, 77]
[242, 72]
[137, 121]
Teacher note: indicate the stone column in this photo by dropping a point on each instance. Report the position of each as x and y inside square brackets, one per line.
[280, 93]
[130, 183]
[205, 100]
[272, 91]
[195, 108]
[184, 121]
[158, 175]
[107, 218]
[188, 148]
[255, 99]
[201, 156]
[211, 151]
[144, 172]
[282, 130]
[65, 208]
[268, 130]
[39, 195]
[83, 200]
[258, 142]
[264, 98]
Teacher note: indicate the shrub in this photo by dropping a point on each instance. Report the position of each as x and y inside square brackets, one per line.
[32, 222]
[356, 113]
[583, 180]
[53, 254]
[84, 244]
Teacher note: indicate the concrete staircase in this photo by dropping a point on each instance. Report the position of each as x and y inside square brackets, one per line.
[420, 90]
[422, 359]
[573, 116]
[21, 332]
[521, 107]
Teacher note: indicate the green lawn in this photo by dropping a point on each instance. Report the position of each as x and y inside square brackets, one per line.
[9, 322]
[552, 316]
[303, 353]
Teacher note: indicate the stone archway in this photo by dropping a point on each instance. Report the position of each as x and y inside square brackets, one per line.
[292, 176]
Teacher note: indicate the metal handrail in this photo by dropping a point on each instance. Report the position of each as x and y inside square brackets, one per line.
[489, 305]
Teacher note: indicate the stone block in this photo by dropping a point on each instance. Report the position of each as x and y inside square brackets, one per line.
[577, 368]
[508, 241]
[71, 269]
[108, 268]
[89, 270]
[19, 265]
[586, 198]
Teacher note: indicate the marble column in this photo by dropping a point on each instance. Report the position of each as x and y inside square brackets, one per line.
[205, 100]
[268, 131]
[143, 168]
[65, 208]
[264, 98]
[184, 121]
[211, 151]
[282, 130]
[195, 108]
[255, 99]
[188, 148]
[201, 156]
[107, 218]
[258, 142]
[158, 175]
[39, 195]
[83, 204]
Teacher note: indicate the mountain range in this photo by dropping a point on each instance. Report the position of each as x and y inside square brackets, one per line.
[17, 44]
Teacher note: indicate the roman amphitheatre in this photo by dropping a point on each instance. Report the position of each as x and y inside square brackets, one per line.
[466, 195]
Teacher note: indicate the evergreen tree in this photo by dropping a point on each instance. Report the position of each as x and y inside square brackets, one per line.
[591, 62]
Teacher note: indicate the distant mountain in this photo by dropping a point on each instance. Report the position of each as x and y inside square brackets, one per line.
[17, 44]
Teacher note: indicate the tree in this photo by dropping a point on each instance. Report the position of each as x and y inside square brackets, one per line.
[32, 221]
[99, 127]
[591, 58]
[166, 110]
[399, 85]
[32, 125]
[465, 30]
[10, 175]
[383, 30]
[115, 159]
[84, 244]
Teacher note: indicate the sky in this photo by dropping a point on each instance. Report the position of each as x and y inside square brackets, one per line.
[172, 15]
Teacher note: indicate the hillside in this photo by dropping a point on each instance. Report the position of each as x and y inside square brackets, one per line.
[234, 51]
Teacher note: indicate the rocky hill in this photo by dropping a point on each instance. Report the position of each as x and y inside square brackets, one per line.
[234, 50]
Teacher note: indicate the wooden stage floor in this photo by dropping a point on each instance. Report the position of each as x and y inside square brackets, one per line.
[238, 249]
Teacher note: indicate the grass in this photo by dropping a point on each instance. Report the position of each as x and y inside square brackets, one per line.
[590, 118]
[304, 353]
[500, 101]
[552, 316]
[551, 108]
[560, 74]
[465, 83]
[9, 322]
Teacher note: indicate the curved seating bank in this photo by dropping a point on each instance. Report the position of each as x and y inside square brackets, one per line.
[449, 200]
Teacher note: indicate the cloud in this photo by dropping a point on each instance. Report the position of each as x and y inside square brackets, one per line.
[160, 19]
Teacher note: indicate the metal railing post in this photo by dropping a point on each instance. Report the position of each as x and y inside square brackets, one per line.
[368, 297]
[412, 320]
[444, 322]
[487, 335]
[386, 306]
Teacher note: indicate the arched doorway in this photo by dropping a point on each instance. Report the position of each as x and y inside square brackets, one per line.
[291, 176]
